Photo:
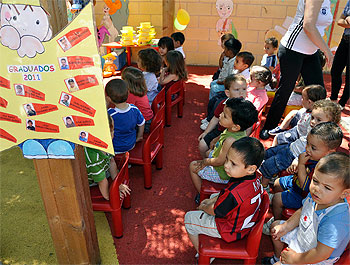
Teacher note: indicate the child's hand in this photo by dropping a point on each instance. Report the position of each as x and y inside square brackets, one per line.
[200, 164]
[203, 204]
[124, 190]
[293, 168]
[288, 256]
[200, 137]
[303, 158]
[278, 231]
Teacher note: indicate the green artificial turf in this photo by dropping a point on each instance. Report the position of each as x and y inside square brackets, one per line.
[24, 232]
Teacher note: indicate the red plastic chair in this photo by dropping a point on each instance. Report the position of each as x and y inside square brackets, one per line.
[256, 127]
[177, 88]
[148, 150]
[208, 188]
[158, 104]
[246, 248]
[114, 204]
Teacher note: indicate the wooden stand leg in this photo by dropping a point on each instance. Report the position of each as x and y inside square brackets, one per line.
[65, 193]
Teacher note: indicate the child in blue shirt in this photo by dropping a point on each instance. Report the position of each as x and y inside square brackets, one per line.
[319, 232]
[129, 123]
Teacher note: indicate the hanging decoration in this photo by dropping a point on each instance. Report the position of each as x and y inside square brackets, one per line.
[182, 19]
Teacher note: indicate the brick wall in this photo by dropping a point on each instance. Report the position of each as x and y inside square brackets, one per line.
[251, 18]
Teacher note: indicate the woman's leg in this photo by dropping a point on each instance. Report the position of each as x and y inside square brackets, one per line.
[339, 63]
[311, 70]
[345, 97]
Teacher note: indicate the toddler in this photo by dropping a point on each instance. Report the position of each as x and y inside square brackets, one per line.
[99, 164]
[280, 157]
[322, 140]
[225, 214]
[126, 117]
[150, 62]
[165, 45]
[175, 69]
[179, 39]
[138, 93]
[270, 58]
[222, 59]
[298, 119]
[242, 63]
[318, 233]
[232, 47]
[238, 115]
[235, 87]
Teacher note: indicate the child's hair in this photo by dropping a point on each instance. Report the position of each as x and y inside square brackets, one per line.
[232, 79]
[166, 42]
[315, 92]
[247, 57]
[243, 112]
[176, 64]
[329, 132]
[178, 36]
[135, 80]
[150, 60]
[251, 149]
[331, 108]
[227, 36]
[117, 90]
[336, 164]
[273, 41]
[262, 74]
[233, 45]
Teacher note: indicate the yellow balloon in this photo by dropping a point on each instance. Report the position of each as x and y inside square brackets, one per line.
[183, 17]
[178, 26]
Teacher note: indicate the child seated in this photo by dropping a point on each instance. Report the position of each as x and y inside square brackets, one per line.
[179, 39]
[318, 233]
[269, 59]
[224, 215]
[150, 63]
[300, 119]
[322, 140]
[165, 45]
[97, 165]
[126, 117]
[235, 87]
[238, 115]
[232, 47]
[280, 157]
[222, 59]
[174, 71]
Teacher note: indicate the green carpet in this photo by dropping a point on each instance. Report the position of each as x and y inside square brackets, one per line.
[24, 232]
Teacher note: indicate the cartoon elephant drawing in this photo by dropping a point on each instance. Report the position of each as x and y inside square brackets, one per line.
[24, 28]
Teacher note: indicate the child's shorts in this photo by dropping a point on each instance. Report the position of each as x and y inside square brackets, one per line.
[210, 174]
[288, 136]
[199, 222]
[286, 182]
[292, 199]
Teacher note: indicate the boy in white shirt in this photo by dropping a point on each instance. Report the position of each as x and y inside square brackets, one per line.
[179, 39]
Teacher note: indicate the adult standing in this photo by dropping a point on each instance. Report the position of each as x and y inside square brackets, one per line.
[298, 53]
[341, 59]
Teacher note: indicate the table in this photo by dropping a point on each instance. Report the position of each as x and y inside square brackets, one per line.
[118, 45]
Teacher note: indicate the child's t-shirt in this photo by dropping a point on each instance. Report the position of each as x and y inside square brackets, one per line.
[303, 125]
[142, 104]
[258, 97]
[235, 204]
[181, 49]
[304, 188]
[269, 60]
[97, 163]
[152, 86]
[125, 122]
[245, 73]
[227, 69]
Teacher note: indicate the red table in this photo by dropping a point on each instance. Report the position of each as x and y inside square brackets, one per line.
[117, 45]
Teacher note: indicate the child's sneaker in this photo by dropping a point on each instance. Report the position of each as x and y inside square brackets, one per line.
[197, 257]
[275, 131]
[267, 226]
[269, 260]
[197, 199]
[204, 121]
[204, 126]
[267, 189]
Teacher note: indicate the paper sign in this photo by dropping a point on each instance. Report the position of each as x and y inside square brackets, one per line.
[37, 109]
[40, 126]
[77, 121]
[3, 102]
[89, 138]
[81, 82]
[77, 104]
[73, 37]
[29, 92]
[9, 117]
[75, 62]
[5, 135]
[4, 83]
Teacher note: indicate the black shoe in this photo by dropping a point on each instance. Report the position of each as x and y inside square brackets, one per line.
[267, 261]
[197, 199]
[264, 134]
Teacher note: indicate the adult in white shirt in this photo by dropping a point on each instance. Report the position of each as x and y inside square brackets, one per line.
[298, 53]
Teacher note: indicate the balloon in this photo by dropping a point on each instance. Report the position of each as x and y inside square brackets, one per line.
[178, 26]
[183, 17]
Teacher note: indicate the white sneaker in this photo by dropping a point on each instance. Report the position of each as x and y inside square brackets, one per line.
[267, 226]
[204, 126]
[267, 189]
[204, 120]
[197, 256]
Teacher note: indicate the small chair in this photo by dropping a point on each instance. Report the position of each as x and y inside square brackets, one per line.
[158, 104]
[208, 188]
[246, 248]
[147, 150]
[256, 127]
[176, 89]
[115, 202]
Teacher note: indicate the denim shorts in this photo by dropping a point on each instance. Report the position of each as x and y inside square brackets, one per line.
[288, 136]
[277, 159]
[292, 199]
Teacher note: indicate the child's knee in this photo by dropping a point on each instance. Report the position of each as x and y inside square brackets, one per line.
[277, 199]
[277, 185]
[203, 145]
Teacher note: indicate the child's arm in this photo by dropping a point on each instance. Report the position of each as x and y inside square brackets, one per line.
[212, 124]
[280, 230]
[220, 159]
[103, 186]
[221, 60]
[213, 142]
[344, 21]
[315, 255]
[164, 79]
[208, 205]
[113, 170]
[139, 136]
[302, 174]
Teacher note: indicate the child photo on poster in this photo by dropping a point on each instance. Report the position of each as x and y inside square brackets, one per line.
[71, 84]
[64, 43]
[31, 125]
[69, 122]
[29, 109]
[65, 99]
[83, 136]
[19, 89]
[64, 65]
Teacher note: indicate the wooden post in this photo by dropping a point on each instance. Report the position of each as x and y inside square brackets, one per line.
[168, 17]
[65, 193]
[58, 14]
